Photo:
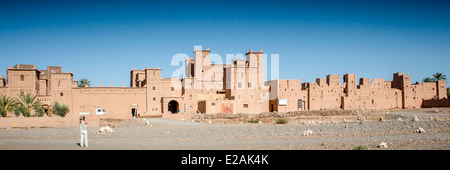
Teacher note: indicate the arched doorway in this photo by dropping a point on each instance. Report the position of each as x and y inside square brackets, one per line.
[46, 108]
[173, 107]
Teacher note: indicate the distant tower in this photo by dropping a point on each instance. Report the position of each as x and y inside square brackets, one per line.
[350, 83]
[201, 58]
[403, 82]
[153, 81]
[333, 80]
[256, 68]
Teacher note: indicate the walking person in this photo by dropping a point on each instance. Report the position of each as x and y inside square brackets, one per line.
[84, 133]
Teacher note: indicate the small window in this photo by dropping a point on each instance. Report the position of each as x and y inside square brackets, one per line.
[154, 98]
[190, 106]
[213, 104]
[61, 94]
[172, 89]
[249, 85]
[154, 88]
[22, 77]
[245, 105]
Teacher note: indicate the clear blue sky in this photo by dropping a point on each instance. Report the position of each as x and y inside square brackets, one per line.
[103, 40]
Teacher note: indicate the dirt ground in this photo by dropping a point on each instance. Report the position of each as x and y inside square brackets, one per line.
[310, 131]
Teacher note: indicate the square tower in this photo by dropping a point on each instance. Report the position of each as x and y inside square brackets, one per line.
[154, 94]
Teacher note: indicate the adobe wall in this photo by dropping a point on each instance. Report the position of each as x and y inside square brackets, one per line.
[326, 96]
[373, 98]
[436, 103]
[191, 101]
[117, 101]
[21, 81]
[169, 89]
[292, 91]
[62, 89]
[215, 106]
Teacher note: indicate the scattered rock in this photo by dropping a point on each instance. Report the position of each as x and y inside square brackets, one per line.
[105, 129]
[382, 145]
[307, 132]
[362, 119]
[415, 118]
[420, 130]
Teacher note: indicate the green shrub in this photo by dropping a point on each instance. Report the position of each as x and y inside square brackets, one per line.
[2, 112]
[20, 110]
[60, 110]
[282, 121]
[253, 121]
[361, 147]
[39, 111]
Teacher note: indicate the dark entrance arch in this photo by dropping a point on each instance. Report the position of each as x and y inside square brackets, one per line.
[173, 107]
[46, 108]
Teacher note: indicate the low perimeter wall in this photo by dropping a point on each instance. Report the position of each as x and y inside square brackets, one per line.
[70, 121]
[33, 122]
[436, 103]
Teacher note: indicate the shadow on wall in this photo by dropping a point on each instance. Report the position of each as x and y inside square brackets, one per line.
[436, 103]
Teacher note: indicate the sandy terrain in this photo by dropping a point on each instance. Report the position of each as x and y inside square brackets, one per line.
[397, 129]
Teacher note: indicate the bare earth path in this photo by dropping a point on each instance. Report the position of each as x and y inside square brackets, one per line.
[174, 135]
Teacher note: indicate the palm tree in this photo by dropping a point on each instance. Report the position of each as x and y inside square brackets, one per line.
[84, 83]
[28, 101]
[439, 76]
[427, 79]
[7, 104]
